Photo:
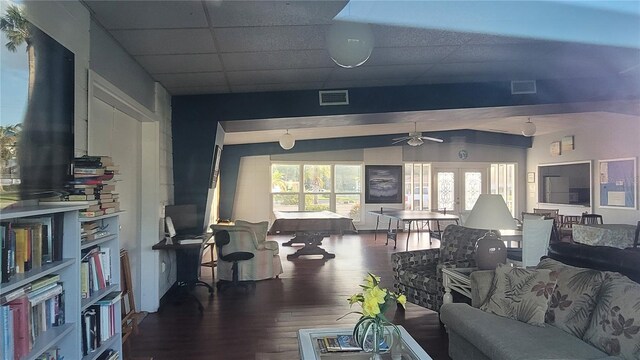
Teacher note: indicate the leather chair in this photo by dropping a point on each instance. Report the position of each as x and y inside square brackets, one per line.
[223, 239]
[249, 237]
[605, 258]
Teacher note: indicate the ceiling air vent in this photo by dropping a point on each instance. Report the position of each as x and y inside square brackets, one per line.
[334, 97]
[523, 87]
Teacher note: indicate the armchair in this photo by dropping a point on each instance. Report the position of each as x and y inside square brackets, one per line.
[418, 274]
[249, 237]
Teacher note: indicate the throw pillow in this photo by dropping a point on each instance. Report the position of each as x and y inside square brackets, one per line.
[259, 229]
[574, 297]
[615, 323]
[520, 294]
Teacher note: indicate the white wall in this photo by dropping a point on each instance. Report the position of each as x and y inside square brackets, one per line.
[252, 202]
[609, 137]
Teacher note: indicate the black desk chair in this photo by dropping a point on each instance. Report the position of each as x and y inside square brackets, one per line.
[222, 238]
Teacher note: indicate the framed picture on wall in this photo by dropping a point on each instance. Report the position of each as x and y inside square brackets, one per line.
[215, 168]
[383, 184]
[618, 183]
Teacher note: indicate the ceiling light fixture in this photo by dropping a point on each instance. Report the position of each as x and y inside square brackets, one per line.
[528, 128]
[287, 141]
[349, 44]
[415, 141]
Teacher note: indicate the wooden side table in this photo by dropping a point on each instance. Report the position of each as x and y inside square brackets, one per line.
[458, 280]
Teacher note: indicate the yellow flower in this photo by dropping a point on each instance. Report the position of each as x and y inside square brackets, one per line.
[355, 298]
[377, 293]
[369, 280]
[370, 307]
[402, 300]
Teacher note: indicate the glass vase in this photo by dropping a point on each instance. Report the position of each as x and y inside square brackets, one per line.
[376, 336]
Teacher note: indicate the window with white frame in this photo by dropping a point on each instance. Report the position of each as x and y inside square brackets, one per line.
[503, 182]
[317, 187]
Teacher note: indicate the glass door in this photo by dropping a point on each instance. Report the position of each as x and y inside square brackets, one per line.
[457, 189]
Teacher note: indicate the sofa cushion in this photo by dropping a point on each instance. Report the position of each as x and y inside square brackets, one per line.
[499, 338]
[419, 277]
[259, 229]
[573, 299]
[615, 324]
[520, 294]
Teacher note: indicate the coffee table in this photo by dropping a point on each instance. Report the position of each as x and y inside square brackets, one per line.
[458, 280]
[309, 350]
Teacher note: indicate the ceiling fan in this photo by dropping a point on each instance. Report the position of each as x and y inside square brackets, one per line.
[415, 138]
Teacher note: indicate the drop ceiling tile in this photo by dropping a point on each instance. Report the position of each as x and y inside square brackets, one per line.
[170, 81]
[148, 14]
[267, 60]
[276, 87]
[270, 13]
[158, 64]
[487, 39]
[393, 36]
[277, 76]
[409, 55]
[270, 38]
[197, 90]
[503, 70]
[166, 41]
[501, 52]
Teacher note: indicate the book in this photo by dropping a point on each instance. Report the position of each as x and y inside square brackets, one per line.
[90, 214]
[44, 281]
[110, 299]
[88, 171]
[348, 343]
[21, 327]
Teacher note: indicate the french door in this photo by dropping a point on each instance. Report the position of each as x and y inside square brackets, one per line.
[457, 189]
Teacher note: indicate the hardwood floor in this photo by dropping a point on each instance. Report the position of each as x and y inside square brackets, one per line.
[262, 324]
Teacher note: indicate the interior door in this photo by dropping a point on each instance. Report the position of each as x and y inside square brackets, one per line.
[457, 189]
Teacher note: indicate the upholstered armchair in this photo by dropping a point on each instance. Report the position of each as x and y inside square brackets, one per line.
[418, 274]
[250, 237]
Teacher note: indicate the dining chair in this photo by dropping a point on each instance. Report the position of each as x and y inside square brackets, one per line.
[536, 235]
[566, 227]
[591, 219]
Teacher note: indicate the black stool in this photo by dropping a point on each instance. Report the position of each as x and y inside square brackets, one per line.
[222, 238]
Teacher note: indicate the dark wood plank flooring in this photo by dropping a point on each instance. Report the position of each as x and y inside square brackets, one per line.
[263, 323]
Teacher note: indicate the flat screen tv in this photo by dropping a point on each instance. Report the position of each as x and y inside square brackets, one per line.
[565, 183]
[36, 108]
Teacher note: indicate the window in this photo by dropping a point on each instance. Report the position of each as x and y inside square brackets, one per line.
[317, 187]
[416, 186]
[503, 182]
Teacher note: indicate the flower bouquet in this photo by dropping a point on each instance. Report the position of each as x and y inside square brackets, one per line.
[374, 332]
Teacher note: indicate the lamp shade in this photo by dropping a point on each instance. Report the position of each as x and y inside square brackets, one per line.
[349, 44]
[490, 213]
[528, 128]
[287, 141]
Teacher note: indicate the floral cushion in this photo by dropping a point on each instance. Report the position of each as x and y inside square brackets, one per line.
[615, 323]
[574, 297]
[520, 294]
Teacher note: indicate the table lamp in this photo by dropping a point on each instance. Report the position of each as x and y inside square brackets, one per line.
[490, 213]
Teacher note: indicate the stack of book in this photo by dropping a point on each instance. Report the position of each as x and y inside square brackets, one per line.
[338, 343]
[95, 270]
[99, 323]
[93, 185]
[28, 243]
[93, 230]
[29, 311]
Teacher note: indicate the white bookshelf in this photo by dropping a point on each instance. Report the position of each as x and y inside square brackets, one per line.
[68, 337]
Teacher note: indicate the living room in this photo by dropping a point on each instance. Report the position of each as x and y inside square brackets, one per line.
[166, 156]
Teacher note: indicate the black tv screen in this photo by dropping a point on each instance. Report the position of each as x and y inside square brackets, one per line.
[567, 184]
[37, 110]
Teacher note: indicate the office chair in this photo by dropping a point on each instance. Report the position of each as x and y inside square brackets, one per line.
[222, 238]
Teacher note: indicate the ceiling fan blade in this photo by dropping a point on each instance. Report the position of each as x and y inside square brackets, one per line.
[431, 139]
[401, 138]
[397, 141]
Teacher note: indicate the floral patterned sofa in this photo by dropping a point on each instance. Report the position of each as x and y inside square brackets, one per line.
[418, 274]
[587, 314]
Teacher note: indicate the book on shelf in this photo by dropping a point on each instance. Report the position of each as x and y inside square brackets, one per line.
[109, 354]
[90, 214]
[88, 171]
[44, 281]
[95, 270]
[22, 343]
[111, 298]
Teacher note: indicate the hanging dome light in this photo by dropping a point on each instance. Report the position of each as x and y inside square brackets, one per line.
[287, 141]
[349, 44]
[528, 128]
